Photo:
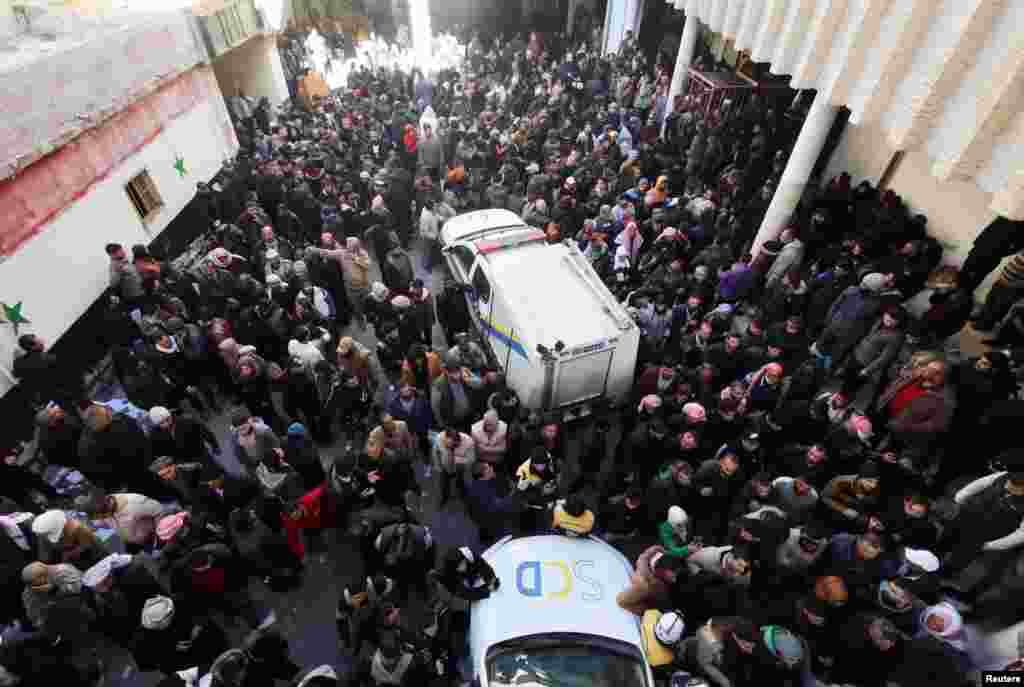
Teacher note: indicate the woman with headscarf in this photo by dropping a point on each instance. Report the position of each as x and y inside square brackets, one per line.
[632, 240]
[944, 623]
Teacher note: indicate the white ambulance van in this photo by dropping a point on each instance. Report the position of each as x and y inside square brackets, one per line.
[554, 621]
[556, 330]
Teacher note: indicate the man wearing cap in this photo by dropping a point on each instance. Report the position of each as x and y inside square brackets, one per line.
[769, 654]
[184, 437]
[168, 638]
[118, 587]
[660, 635]
[63, 539]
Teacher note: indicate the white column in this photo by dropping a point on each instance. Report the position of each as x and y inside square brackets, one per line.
[681, 75]
[798, 170]
[570, 21]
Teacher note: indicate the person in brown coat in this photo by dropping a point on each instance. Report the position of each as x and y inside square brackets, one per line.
[852, 499]
[355, 359]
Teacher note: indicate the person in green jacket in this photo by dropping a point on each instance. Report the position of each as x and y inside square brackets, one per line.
[674, 533]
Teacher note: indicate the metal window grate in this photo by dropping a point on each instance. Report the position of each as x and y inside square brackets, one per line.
[142, 192]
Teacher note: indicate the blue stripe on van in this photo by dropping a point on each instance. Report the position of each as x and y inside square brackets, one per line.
[505, 338]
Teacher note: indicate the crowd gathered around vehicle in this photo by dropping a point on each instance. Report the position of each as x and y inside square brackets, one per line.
[817, 486]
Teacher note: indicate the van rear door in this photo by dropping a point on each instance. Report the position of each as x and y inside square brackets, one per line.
[582, 378]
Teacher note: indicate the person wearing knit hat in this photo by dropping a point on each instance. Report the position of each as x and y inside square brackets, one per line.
[861, 426]
[649, 403]
[873, 282]
[674, 533]
[100, 576]
[660, 633]
[921, 560]
[50, 526]
[168, 526]
[158, 415]
[787, 654]
[157, 613]
[695, 414]
[379, 291]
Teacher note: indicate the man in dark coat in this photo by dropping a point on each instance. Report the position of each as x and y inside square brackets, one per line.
[183, 437]
[114, 452]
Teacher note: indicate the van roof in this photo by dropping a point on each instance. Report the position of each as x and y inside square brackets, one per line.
[533, 275]
[461, 227]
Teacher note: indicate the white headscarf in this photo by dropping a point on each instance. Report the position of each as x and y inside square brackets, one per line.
[953, 633]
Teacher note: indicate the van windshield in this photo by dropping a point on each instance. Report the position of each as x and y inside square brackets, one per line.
[564, 665]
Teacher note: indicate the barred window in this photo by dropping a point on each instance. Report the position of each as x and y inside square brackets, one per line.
[144, 196]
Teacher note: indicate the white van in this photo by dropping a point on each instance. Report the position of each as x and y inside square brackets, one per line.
[554, 619]
[556, 330]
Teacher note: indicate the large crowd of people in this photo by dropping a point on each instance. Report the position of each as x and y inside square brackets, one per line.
[816, 486]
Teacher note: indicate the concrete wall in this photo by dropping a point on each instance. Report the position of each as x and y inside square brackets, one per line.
[255, 66]
[61, 271]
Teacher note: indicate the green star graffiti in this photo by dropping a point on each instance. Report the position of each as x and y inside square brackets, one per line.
[12, 315]
[179, 165]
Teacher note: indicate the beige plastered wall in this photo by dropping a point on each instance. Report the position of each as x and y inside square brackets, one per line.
[957, 211]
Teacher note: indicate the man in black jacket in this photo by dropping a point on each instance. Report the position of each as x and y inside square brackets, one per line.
[181, 437]
[41, 374]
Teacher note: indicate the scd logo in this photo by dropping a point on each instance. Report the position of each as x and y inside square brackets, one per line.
[556, 580]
